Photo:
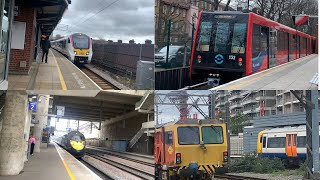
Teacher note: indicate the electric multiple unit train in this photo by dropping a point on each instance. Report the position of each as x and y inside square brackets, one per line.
[190, 149]
[287, 143]
[74, 142]
[234, 45]
[76, 47]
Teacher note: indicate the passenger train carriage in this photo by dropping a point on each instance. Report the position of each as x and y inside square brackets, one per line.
[77, 47]
[74, 142]
[287, 143]
[235, 44]
[190, 149]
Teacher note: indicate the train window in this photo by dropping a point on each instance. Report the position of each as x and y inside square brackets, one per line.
[294, 140]
[238, 39]
[276, 142]
[301, 141]
[205, 36]
[212, 135]
[77, 138]
[289, 140]
[188, 135]
[260, 140]
[168, 137]
[259, 40]
[264, 142]
[222, 37]
[80, 41]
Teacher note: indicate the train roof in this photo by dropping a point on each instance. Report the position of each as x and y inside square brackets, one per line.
[275, 24]
[286, 129]
[67, 36]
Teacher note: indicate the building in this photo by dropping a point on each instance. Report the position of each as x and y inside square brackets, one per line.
[288, 103]
[250, 103]
[183, 15]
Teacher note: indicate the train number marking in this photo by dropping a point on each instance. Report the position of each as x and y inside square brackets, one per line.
[232, 57]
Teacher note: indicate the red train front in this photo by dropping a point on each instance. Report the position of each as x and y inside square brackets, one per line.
[235, 44]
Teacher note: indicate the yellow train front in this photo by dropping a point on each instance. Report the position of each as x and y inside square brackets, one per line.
[74, 142]
[190, 149]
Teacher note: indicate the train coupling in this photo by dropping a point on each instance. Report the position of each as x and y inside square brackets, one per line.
[214, 80]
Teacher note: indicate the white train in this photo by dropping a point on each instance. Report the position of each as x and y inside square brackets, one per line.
[77, 47]
[287, 143]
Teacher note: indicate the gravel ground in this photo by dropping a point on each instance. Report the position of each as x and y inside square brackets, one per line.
[289, 176]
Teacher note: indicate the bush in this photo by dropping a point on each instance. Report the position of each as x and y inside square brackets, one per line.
[253, 163]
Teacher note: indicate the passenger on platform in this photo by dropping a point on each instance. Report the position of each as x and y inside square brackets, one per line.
[32, 141]
[45, 45]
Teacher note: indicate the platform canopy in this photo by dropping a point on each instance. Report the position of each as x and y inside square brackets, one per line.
[49, 12]
[105, 106]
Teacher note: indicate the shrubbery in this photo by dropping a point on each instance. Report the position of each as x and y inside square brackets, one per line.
[252, 163]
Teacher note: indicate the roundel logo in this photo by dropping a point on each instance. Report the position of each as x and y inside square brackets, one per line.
[219, 59]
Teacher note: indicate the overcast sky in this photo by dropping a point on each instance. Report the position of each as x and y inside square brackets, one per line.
[124, 19]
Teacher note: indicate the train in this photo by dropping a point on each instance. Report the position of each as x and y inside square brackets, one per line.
[190, 149]
[235, 44]
[286, 143]
[74, 142]
[76, 47]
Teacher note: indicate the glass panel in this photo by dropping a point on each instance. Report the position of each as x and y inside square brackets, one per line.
[289, 140]
[77, 138]
[205, 36]
[238, 39]
[188, 135]
[80, 41]
[168, 137]
[264, 142]
[4, 40]
[222, 36]
[212, 135]
[301, 141]
[276, 142]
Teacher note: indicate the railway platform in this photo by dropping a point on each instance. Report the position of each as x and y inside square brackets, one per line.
[56, 75]
[295, 75]
[53, 163]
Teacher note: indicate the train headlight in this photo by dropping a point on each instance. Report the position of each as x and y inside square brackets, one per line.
[87, 53]
[199, 58]
[240, 61]
[75, 52]
[225, 156]
[178, 158]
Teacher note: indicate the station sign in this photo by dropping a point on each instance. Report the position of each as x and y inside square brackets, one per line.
[60, 110]
[32, 106]
[300, 20]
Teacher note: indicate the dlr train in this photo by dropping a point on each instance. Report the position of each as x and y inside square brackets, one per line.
[287, 143]
[76, 47]
[235, 44]
[74, 142]
[190, 149]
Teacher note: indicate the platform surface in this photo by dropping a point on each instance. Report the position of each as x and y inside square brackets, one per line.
[49, 164]
[295, 75]
[56, 75]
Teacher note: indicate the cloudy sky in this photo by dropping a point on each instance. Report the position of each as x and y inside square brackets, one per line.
[168, 113]
[118, 19]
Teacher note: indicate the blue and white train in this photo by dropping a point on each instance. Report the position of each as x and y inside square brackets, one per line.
[287, 143]
[76, 47]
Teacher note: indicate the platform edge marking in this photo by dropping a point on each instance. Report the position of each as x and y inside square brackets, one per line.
[62, 82]
[65, 165]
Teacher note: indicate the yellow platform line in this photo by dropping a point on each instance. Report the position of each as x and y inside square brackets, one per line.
[63, 83]
[64, 163]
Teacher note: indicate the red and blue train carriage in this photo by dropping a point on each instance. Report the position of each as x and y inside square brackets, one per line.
[241, 44]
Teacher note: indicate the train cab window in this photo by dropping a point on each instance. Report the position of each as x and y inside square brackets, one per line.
[276, 142]
[238, 39]
[168, 137]
[204, 36]
[77, 138]
[264, 142]
[188, 135]
[212, 135]
[222, 37]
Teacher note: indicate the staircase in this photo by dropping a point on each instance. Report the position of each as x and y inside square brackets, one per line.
[136, 138]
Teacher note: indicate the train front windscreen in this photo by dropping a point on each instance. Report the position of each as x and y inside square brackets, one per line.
[81, 41]
[221, 42]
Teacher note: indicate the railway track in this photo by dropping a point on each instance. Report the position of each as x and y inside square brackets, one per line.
[102, 83]
[138, 158]
[236, 177]
[127, 168]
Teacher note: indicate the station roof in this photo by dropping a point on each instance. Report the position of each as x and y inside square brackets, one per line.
[49, 12]
[107, 105]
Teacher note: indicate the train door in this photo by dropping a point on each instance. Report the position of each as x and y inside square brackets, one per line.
[291, 145]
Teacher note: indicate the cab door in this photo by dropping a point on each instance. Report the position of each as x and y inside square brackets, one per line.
[291, 145]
